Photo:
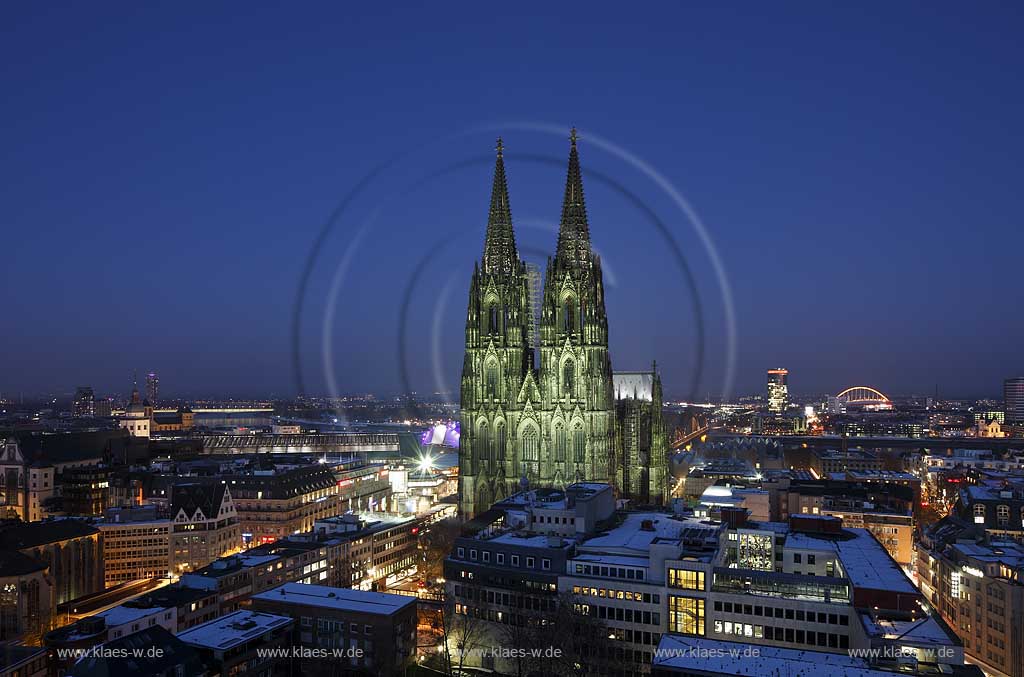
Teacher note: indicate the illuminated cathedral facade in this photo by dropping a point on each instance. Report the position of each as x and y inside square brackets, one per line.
[567, 418]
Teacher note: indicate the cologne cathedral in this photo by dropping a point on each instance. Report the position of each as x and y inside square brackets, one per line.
[541, 406]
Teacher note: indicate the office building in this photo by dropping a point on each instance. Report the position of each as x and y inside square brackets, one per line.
[778, 390]
[152, 388]
[136, 545]
[972, 577]
[1013, 400]
[241, 643]
[375, 632]
[809, 585]
[84, 403]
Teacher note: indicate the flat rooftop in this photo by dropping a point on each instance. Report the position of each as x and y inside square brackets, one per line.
[119, 615]
[639, 530]
[916, 631]
[233, 564]
[345, 599]
[528, 540]
[867, 564]
[229, 631]
[693, 654]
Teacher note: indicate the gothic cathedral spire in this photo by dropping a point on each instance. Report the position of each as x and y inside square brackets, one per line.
[500, 255]
[573, 231]
[552, 423]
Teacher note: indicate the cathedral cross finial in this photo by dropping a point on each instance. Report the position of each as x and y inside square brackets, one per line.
[572, 135]
[500, 148]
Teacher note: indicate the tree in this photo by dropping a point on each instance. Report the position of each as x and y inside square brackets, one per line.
[584, 642]
[523, 636]
[465, 631]
[436, 544]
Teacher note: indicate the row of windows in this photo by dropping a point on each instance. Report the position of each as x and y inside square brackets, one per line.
[548, 519]
[610, 572]
[628, 595]
[510, 600]
[499, 558]
[634, 636]
[327, 625]
[778, 612]
[613, 613]
[790, 635]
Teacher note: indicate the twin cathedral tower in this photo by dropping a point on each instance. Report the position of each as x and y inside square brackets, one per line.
[568, 418]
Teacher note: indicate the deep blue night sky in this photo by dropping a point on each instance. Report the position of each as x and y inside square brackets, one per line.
[165, 172]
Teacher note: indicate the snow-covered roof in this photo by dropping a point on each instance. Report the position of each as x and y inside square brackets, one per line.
[869, 565]
[632, 538]
[120, 615]
[234, 629]
[348, 599]
[692, 654]
[925, 630]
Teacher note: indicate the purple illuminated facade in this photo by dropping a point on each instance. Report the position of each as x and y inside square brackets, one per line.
[444, 434]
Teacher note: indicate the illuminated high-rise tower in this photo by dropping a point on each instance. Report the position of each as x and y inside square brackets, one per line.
[778, 390]
[1013, 399]
[152, 388]
[84, 404]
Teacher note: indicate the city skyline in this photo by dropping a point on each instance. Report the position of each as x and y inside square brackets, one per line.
[838, 211]
[566, 339]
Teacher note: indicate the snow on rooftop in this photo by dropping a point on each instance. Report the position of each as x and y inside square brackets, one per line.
[631, 536]
[234, 629]
[694, 654]
[119, 615]
[920, 631]
[337, 598]
[865, 561]
[257, 560]
[526, 540]
[869, 565]
[613, 560]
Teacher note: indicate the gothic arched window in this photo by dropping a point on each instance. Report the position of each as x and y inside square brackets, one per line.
[491, 382]
[568, 377]
[485, 442]
[501, 441]
[493, 319]
[561, 442]
[530, 447]
[579, 445]
[569, 316]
